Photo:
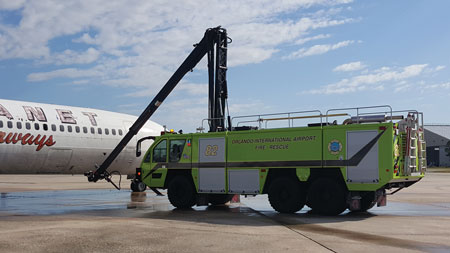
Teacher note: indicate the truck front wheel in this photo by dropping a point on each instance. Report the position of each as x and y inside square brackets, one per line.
[327, 197]
[181, 192]
[285, 195]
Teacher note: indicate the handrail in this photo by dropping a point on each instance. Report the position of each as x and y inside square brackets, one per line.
[361, 116]
[358, 109]
[207, 119]
[290, 119]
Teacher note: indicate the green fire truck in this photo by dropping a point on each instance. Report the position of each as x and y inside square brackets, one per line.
[328, 166]
[346, 158]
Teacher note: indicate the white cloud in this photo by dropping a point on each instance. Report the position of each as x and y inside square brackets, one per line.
[68, 57]
[307, 39]
[183, 88]
[318, 49]
[439, 68]
[436, 69]
[142, 43]
[440, 86]
[372, 80]
[11, 5]
[62, 73]
[351, 66]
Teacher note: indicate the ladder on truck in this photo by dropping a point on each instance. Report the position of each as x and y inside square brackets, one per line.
[415, 155]
[422, 151]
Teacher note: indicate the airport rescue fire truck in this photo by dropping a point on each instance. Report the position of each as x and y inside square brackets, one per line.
[345, 158]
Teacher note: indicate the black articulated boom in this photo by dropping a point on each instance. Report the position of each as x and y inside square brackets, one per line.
[214, 38]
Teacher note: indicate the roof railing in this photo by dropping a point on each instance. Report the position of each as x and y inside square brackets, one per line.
[364, 114]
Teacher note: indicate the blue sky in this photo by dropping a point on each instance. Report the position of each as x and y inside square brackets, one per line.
[285, 55]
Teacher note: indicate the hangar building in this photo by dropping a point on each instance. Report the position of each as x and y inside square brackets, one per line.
[437, 138]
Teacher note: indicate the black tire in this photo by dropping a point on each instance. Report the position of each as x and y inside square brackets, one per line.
[367, 201]
[286, 195]
[181, 192]
[138, 186]
[219, 199]
[327, 196]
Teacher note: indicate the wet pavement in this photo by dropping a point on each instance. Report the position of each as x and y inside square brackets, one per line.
[416, 219]
[73, 201]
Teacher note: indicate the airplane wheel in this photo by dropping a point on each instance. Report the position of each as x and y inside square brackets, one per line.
[181, 192]
[286, 196]
[219, 199]
[327, 197]
[138, 186]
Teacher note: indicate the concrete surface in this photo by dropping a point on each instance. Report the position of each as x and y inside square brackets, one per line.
[40, 213]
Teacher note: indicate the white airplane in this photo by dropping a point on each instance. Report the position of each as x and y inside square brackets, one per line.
[45, 138]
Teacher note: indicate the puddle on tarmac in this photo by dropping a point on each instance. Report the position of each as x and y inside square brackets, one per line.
[261, 203]
[60, 202]
[69, 201]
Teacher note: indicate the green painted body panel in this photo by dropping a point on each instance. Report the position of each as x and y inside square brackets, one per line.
[264, 150]
[275, 145]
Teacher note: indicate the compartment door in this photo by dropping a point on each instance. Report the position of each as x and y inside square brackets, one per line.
[367, 170]
[211, 171]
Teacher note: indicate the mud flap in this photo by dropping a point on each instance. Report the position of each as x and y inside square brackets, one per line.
[236, 199]
[381, 198]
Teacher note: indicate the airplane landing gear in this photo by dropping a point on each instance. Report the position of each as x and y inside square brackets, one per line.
[138, 186]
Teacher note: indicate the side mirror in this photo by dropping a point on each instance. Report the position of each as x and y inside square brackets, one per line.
[138, 151]
[138, 144]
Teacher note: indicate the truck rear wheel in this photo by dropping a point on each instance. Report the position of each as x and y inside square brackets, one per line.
[327, 197]
[285, 195]
[219, 199]
[181, 192]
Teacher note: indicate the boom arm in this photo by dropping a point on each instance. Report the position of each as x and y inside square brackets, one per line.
[212, 36]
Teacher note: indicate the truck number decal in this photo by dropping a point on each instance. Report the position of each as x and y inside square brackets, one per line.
[211, 150]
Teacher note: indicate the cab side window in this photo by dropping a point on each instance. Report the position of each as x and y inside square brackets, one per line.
[176, 149]
[147, 157]
[160, 152]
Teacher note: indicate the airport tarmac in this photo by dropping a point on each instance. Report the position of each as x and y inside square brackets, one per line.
[63, 213]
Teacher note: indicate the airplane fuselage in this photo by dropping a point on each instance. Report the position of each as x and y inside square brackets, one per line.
[44, 138]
